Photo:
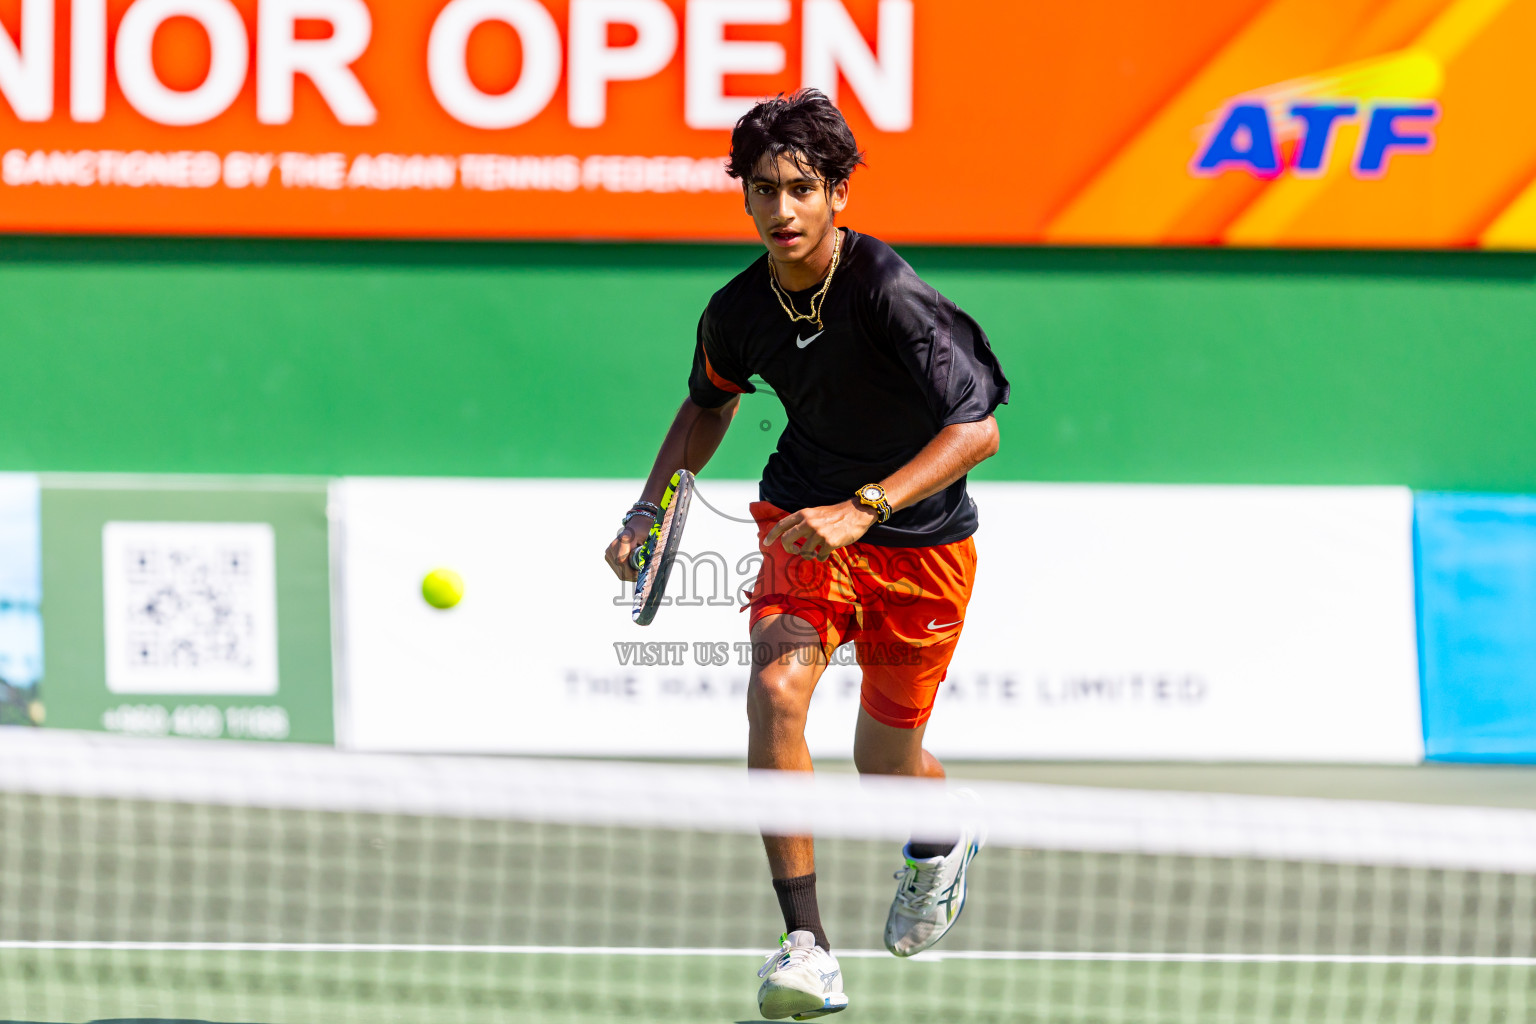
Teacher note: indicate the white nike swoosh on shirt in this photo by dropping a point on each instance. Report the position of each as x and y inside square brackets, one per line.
[802, 342]
[935, 625]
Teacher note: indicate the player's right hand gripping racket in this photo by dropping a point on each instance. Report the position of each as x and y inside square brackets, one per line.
[655, 556]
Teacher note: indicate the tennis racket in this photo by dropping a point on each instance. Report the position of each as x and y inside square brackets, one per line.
[655, 556]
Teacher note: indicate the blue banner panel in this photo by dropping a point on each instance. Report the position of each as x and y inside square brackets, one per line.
[21, 624]
[1476, 556]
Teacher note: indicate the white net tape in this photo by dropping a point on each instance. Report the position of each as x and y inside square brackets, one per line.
[708, 799]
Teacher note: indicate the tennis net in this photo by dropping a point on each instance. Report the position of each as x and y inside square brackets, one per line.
[152, 880]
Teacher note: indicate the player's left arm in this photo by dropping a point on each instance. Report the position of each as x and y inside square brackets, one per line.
[952, 362]
[954, 451]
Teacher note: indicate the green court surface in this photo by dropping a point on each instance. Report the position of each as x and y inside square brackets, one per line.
[459, 988]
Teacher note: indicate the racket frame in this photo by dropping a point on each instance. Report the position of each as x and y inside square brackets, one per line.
[655, 557]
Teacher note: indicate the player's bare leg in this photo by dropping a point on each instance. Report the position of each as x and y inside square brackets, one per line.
[880, 749]
[778, 700]
[802, 978]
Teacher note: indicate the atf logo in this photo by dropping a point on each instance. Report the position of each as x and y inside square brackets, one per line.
[1380, 107]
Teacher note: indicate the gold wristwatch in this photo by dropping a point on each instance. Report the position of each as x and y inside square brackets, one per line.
[873, 496]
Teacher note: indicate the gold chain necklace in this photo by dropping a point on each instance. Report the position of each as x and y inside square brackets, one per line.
[816, 300]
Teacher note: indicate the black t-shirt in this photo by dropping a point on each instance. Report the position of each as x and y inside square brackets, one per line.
[895, 363]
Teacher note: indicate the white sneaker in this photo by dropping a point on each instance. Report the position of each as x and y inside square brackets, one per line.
[801, 980]
[930, 897]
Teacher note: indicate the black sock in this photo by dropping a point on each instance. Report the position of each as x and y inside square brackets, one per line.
[797, 899]
[925, 851]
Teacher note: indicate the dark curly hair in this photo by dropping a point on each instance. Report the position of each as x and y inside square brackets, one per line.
[804, 126]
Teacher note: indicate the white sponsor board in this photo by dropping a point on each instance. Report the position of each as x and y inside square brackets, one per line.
[1206, 623]
[1108, 622]
[190, 608]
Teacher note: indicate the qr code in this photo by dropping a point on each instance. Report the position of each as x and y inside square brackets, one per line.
[190, 608]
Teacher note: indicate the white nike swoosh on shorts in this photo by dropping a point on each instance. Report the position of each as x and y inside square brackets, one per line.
[946, 625]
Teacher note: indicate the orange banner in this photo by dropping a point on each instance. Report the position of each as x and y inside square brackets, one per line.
[1244, 122]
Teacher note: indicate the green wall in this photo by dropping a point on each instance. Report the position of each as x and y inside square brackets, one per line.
[566, 360]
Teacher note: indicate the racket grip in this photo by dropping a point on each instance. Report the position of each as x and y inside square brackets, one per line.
[634, 558]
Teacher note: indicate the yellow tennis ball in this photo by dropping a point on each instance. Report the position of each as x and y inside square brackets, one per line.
[442, 588]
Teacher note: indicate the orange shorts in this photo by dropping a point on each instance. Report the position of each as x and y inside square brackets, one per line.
[901, 607]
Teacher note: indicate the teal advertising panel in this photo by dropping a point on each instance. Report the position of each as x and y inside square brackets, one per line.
[188, 606]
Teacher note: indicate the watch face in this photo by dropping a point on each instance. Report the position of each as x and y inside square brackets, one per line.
[872, 493]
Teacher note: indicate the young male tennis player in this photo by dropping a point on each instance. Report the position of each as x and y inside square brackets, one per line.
[864, 521]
